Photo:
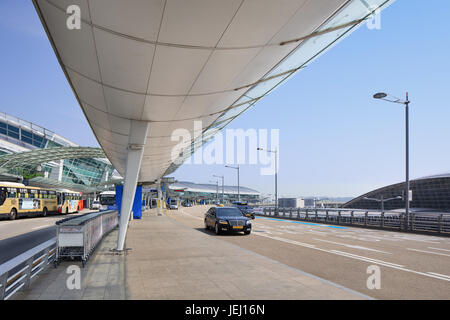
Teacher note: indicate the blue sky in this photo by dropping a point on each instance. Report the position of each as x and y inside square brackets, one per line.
[335, 140]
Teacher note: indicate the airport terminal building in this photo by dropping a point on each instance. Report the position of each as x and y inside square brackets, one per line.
[18, 135]
[431, 192]
[202, 192]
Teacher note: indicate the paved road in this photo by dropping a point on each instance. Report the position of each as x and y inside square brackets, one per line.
[12, 247]
[412, 266]
[12, 228]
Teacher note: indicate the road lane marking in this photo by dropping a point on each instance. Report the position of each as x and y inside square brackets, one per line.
[368, 259]
[438, 253]
[438, 274]
[352, 246]
[352, 256]
[304, 223]
[190, 215]
[438, 249]
[356, 257]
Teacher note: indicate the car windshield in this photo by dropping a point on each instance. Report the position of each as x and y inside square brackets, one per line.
[228, 212]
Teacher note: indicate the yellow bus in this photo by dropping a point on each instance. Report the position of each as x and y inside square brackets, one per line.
[17, 200]
[69, 201]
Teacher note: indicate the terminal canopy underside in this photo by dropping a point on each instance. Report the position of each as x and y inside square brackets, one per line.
[172, 62]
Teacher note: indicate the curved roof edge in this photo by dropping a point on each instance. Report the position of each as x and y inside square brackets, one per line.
[436, 176]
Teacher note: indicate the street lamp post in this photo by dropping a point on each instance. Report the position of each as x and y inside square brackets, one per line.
[383, 96]
[222, 186]
[217, 189]
[237, 168]
[276, 175]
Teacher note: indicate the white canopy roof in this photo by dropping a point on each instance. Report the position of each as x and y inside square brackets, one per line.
[170, 62]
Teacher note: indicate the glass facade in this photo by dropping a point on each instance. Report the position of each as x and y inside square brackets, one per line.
[427, 193]
[29, 136]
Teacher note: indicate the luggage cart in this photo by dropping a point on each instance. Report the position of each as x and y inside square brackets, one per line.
[77, 237]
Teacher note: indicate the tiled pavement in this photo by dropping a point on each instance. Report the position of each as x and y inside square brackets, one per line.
[168, 260]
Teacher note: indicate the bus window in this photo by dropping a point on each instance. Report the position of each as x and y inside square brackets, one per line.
[23, 193]
[2, 196]
[33, 194]
[12, 192]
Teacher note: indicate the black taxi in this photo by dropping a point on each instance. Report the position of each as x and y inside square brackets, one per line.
[228, 219]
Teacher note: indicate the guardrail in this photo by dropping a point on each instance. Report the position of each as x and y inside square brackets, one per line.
[428, 222]
[18, 272]
[78, 236]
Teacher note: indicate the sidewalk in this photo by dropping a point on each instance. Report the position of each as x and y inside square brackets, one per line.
[169, 260]
[102, 278]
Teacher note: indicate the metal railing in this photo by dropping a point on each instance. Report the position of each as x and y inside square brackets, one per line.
[18, 272]
[428, 222]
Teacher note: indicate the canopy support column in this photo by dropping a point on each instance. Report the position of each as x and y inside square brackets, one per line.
[160, 198]
[136, 142]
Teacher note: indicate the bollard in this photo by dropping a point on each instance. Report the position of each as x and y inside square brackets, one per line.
[26, 281]
[365, 218]
[3, 285]
[382, 220]
[440, 223]
[306, 215]
[339, 217]
[351, 218]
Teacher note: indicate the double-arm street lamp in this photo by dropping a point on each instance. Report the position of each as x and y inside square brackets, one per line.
[276, 176]
[222, 186]
[389, 98]
[237, 168]
[382, 200]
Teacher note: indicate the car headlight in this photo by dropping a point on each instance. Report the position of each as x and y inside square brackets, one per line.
[223, 221]
[248, 222]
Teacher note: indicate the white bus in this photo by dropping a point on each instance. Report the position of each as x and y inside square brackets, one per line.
[108, 200]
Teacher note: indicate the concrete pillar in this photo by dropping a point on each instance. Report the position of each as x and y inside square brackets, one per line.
[160, 200]
[60, 173]
[136, 142]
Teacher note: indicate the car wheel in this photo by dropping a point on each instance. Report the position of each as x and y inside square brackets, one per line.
[216, 229]
[13, 214]
[247, 232]
[44, 212]
[206, 225]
